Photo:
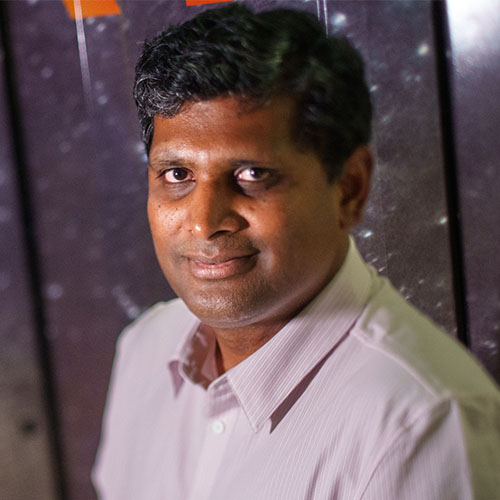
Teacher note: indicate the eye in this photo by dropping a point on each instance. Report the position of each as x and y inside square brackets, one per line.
[177, 175]
[252, 174]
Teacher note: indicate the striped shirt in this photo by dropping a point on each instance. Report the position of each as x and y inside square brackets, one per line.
[357, 397]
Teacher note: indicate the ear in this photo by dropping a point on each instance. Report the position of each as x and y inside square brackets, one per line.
[354, 186]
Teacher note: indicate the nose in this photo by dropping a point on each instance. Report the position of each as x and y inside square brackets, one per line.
[212, 211]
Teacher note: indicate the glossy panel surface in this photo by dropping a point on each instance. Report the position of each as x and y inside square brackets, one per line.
[25, 461]
[88, 175]
[475, 63]
[405, 230]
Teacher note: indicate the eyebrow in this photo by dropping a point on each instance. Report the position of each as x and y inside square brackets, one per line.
[171, 161]
[166, 161]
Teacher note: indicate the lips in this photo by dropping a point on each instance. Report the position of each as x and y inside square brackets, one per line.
[221, 266]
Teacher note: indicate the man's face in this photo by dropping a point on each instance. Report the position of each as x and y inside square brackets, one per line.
[245, 225]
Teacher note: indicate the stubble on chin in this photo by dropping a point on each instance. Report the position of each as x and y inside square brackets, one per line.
[227, 306]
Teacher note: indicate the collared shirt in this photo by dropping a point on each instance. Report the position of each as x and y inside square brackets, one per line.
[358, 397]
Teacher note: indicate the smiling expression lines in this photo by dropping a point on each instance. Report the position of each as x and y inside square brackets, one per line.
[245, 224]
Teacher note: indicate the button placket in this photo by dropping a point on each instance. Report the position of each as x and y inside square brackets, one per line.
[222, 413]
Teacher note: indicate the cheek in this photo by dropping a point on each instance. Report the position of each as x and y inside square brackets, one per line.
[163, 220]
[299, 229]
[275, 228]
[267, 219]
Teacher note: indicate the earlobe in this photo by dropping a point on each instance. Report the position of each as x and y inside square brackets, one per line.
[354, 186]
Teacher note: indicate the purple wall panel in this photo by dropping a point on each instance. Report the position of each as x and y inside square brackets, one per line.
[26, 468]
[89, 183]
[475, 62]
[405, 230]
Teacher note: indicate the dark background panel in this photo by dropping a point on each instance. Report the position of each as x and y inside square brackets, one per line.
[88, 180]
[475, 73]
[26, 464]
[405, 232]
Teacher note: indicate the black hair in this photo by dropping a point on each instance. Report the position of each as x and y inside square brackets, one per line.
[233, 51]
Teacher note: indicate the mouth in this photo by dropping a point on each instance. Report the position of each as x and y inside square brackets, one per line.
[221, 267]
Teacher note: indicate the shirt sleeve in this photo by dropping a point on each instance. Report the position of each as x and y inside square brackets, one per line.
[451, 452]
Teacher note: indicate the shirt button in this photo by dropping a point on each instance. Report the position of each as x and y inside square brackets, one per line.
[218, 427]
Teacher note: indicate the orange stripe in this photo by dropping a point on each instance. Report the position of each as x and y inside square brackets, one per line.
[93, 8]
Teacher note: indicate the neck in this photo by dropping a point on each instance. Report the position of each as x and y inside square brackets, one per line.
[236, 344]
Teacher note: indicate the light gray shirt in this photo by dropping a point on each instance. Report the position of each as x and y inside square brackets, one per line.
[358, 397]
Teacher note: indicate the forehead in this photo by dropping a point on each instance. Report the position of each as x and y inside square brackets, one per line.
[227, 123]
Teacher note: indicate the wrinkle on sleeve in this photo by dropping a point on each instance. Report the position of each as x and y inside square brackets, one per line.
[451, 452]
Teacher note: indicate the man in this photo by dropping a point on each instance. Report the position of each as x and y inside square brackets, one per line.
[287, 369]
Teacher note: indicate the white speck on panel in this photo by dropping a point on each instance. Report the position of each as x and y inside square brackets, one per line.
[440, 284]
[54, 291]
[64, 147]
[423, 49]
[5, 281]
[80, 129]
[338, 20]
[490, 345]
[386, 118]
[5, 214]
[46, 72]
[128, 306]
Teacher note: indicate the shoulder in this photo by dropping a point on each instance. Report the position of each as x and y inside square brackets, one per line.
[155, 334]
[158, 317]
[143, 351]
[423, 395]
[406, 344]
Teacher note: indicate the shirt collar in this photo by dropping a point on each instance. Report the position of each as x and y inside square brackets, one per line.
[264, 380]
[194, 359]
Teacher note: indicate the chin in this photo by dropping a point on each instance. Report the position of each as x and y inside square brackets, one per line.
[224, 312]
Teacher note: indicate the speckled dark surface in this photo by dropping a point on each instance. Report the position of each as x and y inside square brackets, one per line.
[404, 233]
[88, 176]
[87, 170]
[25, 470]
[475, 37]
